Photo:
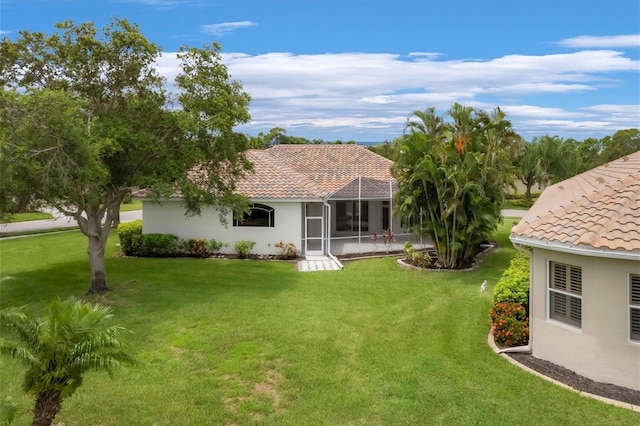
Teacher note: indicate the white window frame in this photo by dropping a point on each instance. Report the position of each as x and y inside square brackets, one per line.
[260, 207]
[634, 306]
[570, 291]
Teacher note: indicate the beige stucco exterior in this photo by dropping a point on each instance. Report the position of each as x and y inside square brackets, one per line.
[601, 349]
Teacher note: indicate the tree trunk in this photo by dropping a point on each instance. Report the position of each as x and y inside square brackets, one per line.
[47, 407]
[527, 193]
[116, 220]
[97, 241]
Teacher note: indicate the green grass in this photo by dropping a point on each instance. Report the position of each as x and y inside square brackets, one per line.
[25, 217]
[245, 342]
[135, 204]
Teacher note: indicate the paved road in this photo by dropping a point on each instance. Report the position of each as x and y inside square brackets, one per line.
[60, 221]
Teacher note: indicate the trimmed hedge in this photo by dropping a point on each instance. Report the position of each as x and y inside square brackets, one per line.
[510, 310]
[158, 245]
[130, 235]
[513, 285]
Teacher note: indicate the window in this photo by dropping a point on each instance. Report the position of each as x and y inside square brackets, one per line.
[259, 215]
[565, 293]
[350, 214]
[634, 307]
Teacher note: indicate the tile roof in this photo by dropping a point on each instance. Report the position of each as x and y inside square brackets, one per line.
[310, 171]
[598, 209]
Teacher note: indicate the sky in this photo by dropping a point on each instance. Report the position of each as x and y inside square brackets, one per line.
[356, 69]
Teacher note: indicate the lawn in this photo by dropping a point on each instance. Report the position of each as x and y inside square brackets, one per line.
[134, 204]
[245, 342]
[25, 217]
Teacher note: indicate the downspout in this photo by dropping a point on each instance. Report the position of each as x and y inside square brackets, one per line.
[359, 214]
[391, 206]
[529, 347]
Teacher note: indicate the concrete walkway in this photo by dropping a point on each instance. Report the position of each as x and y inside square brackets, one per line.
[318, 263]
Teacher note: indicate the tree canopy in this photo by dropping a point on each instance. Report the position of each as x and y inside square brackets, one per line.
[85, 118]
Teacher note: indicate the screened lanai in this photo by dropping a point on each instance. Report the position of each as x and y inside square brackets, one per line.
[358, 218]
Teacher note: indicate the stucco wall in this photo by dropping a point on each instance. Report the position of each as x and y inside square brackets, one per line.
[601, 349]
[169, 218]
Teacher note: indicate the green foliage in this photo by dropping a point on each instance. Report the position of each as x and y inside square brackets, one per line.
[8, 410]
[416, 258]
[452, 178]
[195, 246]
[286, 251]
[130, 235]
[162, 245]
[85, 116]
[510, 324]
[243, 248]
[72, 337]
[215, 246]
[513, 285]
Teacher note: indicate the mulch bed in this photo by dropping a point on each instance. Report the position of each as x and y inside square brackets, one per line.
[577, 382]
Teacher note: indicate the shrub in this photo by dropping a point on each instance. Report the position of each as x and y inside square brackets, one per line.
[286, 251]
[510, 324]
[421, 260]
[408, 250]
[513, 285]
[158, 245]
[199, 247]
[215, 246]
[416, 258]
[244, 247]
[130, 235]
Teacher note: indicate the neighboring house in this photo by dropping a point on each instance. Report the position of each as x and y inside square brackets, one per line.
[322, 198]
[584, 235]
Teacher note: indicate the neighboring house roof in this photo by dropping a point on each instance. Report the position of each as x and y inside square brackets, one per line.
[594, 213]
[310, 171]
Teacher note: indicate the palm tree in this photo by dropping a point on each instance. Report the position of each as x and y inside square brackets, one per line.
[452, 177]
[527, 166]
[70, 338]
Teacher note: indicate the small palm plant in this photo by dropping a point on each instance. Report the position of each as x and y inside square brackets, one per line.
[71, 337]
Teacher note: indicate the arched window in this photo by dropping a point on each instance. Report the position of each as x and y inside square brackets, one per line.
[259, 215]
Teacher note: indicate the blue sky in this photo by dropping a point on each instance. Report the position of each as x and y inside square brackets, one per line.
[355, 69]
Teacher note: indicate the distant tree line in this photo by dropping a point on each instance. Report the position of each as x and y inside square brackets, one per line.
[279, 136]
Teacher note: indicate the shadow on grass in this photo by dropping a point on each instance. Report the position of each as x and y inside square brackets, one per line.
[159, 284]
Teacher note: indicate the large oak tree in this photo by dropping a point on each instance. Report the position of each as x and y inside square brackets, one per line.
[85, 117]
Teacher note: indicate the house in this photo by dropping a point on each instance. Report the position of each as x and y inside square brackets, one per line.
[584, 237]
[322, 198]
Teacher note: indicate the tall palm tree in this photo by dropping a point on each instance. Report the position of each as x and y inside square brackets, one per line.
[452, 181]
[70, 338]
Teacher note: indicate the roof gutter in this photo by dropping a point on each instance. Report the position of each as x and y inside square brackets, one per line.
[573, 249]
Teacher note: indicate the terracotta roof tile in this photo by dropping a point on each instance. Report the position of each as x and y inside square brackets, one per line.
[598, 209]
[310, 171]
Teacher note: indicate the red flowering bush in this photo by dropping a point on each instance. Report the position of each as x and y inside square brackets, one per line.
[510, 324]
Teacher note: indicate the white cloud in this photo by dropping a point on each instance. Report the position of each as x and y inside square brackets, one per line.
[368, 96]
[226, 27]
[606, 42]
[4, 32]
[161, 4]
